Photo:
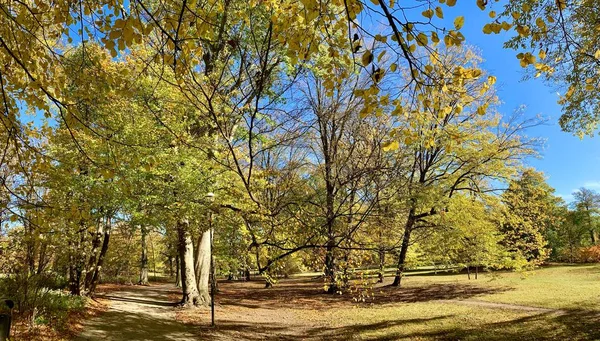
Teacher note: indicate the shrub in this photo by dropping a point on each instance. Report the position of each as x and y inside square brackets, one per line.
[588, 254]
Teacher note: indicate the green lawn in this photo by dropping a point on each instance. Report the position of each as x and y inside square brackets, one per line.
[427, 307]
[574, 290]
[559, 287]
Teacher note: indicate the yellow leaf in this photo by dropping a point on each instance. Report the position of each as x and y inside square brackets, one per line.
[516, 15]
[393, 67]
[367, 58]
[481, 4]
[390, 146]
[540, 23]
[492, 14]
[570, 92]
[114, 34]
[375, 2]
[422, 39]
[428, 13]
[380, 56]
[439, 13]
[380, 38]
[450, 3]
[597, 54]
[459, 22]
[542, 54]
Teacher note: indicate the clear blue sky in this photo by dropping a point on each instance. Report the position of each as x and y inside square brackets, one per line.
[568, 162]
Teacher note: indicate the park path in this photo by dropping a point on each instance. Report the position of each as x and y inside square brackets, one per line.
[138, 313]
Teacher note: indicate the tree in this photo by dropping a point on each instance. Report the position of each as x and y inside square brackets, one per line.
[588, 203]
[455, 140]
[559, 42]
[530, 209]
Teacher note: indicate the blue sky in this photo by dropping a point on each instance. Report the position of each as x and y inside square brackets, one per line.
[568, 162]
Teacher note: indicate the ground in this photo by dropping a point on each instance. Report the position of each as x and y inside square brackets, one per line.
[553, 303]
[138, 313]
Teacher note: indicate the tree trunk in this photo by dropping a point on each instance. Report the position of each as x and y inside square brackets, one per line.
[593, 236]
[469, 272]
[177, 272]
[203, 266]
[247, 274]
[381, 273]
[91, 267]
[101, 256]
[404, 249]
[188, 277]
[74, 287]
[330, 272]
[144, 259]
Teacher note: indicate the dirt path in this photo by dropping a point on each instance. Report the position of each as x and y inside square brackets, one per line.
[138, 313]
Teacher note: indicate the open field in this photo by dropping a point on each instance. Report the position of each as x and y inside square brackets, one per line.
[553, 303]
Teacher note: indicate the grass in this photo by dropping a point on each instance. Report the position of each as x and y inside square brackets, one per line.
[427, 307]
[558, 287]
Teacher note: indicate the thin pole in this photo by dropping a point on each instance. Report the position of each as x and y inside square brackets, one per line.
[212, 274]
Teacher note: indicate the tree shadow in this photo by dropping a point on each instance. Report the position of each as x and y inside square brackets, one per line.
[298, 293]
[120, 325]
[235, 330]
[137, 300]
[570, 325]
[575, 324]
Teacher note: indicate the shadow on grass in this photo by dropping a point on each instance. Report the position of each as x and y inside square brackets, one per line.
[233, 330]
[298, 293]
[573, 325]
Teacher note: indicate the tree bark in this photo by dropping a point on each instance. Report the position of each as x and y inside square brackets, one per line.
[101, 256]
[191, 297]
[381, 273]
[203, 266]
[144, 258]
[91, 267]
[177, 272]
[330, 272]
[404, 248]
[74, 287]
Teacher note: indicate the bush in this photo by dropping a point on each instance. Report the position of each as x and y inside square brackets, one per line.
[588, 254]
[39, 299]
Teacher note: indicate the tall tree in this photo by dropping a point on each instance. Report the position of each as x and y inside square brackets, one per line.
[531, 208]
[588, 203]
[456, 142]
